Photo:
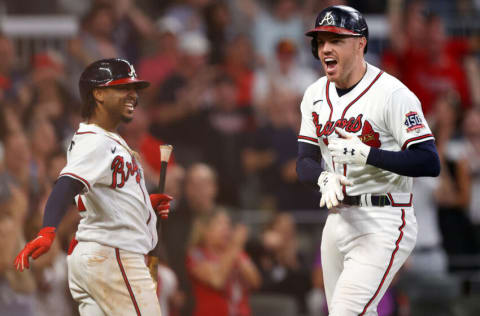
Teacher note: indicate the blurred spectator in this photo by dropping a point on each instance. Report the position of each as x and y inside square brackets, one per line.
[428, 257]
[222, 274]
[16, 289]
[282, 74]
[131, 26]
[46, 95]
[423, 57]
[453, 193]
[162, 62]
[227, 124]
[11, 77]
[178, 114]
[199, 197]
[18, 167]
[471, 131]
[238, 64]
[43, 143]
[218, 29]
[282, 21]
[282, 266]
[50, 271]
[189, 14]
[271, 155]
[94, 41]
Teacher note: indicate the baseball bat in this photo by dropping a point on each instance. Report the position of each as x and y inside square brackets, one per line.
[153, 256]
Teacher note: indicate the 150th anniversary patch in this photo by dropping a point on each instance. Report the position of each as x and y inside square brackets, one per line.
[413, 122]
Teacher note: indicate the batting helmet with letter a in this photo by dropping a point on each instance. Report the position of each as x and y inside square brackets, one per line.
[339, 19]
[106, 73]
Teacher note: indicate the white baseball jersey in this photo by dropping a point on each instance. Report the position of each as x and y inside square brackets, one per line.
[115, 207]
[381, 110]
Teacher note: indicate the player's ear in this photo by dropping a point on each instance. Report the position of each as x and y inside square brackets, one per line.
[98, 95]
[362, 42]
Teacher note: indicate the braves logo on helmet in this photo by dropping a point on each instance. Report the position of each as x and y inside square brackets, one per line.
[327, 19]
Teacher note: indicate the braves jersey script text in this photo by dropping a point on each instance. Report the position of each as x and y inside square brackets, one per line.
[115, 206]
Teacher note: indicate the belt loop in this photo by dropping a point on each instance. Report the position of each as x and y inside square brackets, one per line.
[368, 199]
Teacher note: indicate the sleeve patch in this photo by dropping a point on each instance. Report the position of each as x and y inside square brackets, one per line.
[413, 121]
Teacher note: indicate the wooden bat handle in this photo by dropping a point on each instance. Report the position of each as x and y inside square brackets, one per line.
[165, 152]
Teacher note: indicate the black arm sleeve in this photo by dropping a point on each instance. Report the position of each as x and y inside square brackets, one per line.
[419, 160]
[62, 195]
[308, 164]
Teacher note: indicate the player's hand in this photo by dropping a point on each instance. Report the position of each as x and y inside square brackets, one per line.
[161, 204]
[331, 187]
[348, 149]
[35, 248]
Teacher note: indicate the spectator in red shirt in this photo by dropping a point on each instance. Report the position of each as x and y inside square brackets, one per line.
[222, 273]
[425, 58]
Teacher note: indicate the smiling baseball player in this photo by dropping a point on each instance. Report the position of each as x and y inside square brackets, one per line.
[363, 137]
[107, 272]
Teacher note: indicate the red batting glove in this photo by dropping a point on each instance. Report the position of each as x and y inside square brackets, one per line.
[161, 204]
[35, 248]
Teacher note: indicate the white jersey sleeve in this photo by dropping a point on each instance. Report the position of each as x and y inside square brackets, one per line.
[308, 131]
[88, 161]
[405, 119]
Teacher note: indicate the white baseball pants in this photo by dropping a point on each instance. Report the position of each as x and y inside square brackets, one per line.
[362, 250]
[108, 281]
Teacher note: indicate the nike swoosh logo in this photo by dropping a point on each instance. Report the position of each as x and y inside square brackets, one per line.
[315, 102]
[114, 149]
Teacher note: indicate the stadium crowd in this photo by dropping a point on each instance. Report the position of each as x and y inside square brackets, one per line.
[227, 80]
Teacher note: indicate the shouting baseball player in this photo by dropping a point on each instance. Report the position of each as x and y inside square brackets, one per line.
[363, 137]
[107, 272]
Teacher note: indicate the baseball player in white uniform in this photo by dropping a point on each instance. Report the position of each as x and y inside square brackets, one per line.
[107, 270]
[363, 137]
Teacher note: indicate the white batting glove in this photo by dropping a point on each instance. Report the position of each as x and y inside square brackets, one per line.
[348, 150]
[331, 187]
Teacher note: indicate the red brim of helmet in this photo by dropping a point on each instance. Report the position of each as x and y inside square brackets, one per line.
[331, 29]
[139, 84]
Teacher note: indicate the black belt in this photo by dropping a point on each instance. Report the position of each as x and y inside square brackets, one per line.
[376, 200]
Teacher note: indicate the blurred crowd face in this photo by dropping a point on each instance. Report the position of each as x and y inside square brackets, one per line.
[101, 23]
[415, 22]
[436, 36]
[17, 153]
[201, 187]
[471, 125]
[226, 93]
[284, 9]
[240, 51]
[218, 231]
[43, 138]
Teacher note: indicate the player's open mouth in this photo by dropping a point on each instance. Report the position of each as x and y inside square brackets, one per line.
[330, 64]
[130, 106]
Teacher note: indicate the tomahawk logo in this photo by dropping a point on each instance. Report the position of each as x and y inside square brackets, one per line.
[327, 19]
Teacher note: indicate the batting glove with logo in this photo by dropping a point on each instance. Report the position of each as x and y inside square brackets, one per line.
[348, 150]
[35, 248]
[331, 187]
[161, 204]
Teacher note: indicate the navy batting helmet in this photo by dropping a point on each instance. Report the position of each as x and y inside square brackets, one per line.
[106, 73]
[339, 19]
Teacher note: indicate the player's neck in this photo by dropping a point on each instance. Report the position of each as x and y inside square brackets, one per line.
[354, 77]
[104, 122]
